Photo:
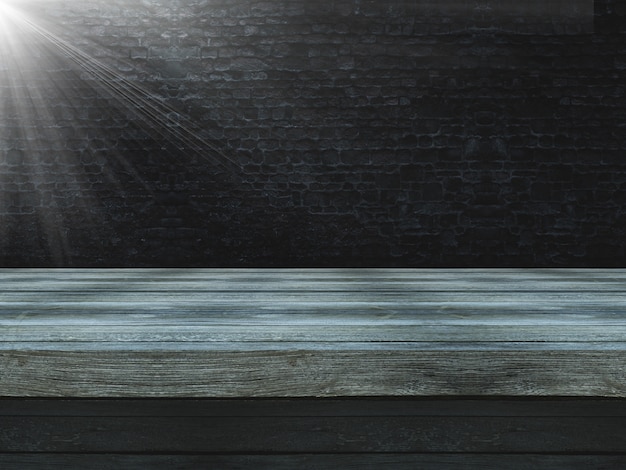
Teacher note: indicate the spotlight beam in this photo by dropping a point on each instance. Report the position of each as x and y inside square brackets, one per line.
[132, 97]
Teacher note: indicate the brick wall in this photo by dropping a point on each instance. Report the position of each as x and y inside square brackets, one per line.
[289, 132]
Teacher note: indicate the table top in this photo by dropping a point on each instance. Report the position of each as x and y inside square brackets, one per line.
[226, 333]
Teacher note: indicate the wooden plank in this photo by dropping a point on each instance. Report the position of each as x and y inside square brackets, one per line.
[303, 372]
[367, 280]
[363, 407]
[560, 425]
[411, 332]
[378, 434]
[423, 316]
[354, 298]
[427, 317]
[336, 303]
[312, 462]
[259, 332]
[165, 320]
[278, 347]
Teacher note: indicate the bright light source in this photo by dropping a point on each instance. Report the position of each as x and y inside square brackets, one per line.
[5, 8]
[11, 22]
[8, 12]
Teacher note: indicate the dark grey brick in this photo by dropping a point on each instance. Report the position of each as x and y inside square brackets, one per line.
[462, 136]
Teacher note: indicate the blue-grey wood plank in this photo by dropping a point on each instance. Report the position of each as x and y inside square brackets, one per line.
[314, 332]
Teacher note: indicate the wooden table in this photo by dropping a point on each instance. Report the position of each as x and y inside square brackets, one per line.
[312, 368]
[312, 333]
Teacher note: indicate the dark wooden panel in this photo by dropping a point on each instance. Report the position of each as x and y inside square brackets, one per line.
[312, 462]
[543, 407]
[313, 434]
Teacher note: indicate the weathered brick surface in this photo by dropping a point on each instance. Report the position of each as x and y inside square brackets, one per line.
[290, 132]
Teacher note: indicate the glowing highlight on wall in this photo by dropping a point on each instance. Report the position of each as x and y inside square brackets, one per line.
[39, 68]
[130, 96]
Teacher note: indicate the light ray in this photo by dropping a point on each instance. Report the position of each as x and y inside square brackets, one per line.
[45, 186]
[23, 109]
[44, 82]
[132, 97]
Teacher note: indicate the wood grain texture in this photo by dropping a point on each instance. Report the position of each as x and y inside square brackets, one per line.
[312, 462]
[312, 333]
[312, 434]
[313, 426]
[311, 373]
[402, 407]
